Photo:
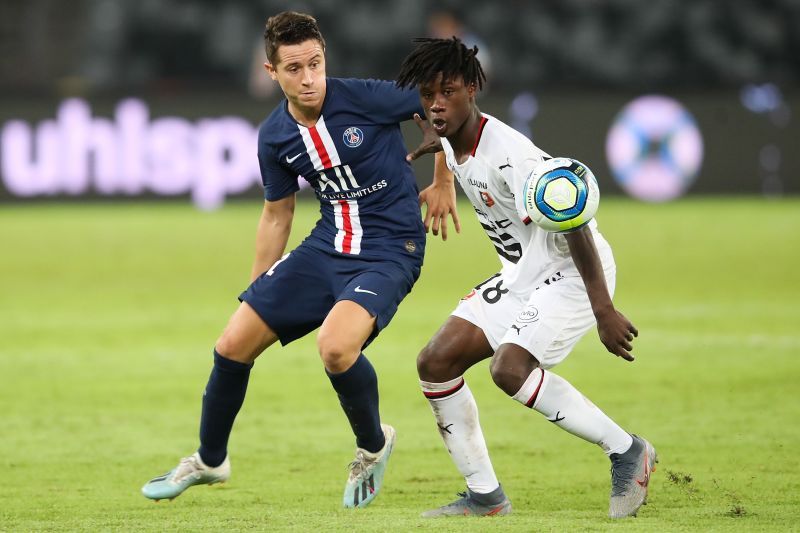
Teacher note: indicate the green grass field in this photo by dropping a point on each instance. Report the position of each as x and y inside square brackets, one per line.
[108, 314]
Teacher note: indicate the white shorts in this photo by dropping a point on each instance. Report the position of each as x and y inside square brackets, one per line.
[548, 321]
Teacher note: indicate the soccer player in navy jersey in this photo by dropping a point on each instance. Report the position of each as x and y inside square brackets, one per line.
[348, 276]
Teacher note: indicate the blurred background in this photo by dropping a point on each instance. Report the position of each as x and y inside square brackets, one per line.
[118, 117]
[162, 98]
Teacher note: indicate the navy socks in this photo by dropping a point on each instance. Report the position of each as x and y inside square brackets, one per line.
[357, 388]
[222, 400]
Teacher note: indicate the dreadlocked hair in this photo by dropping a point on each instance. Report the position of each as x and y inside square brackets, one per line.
[450, 57]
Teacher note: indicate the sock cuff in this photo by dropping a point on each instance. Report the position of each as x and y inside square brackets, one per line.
[623, 446]
[356, 380]
[494, 497]
[439, 391]
[531, 390]
[229, 365]
[360, 364]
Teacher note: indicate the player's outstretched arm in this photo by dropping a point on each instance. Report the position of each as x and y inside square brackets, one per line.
[616, 331]
[440, 199]
[272, 235]
[430, 141]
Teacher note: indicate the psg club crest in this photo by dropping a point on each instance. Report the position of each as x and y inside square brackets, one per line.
[353, 137]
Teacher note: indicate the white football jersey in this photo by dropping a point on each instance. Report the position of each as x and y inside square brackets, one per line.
[493, 178]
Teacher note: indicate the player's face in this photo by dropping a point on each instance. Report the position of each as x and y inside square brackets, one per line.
[447, 103]
[300, 71]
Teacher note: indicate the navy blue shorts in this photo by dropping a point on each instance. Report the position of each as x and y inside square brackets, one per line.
[297, 293]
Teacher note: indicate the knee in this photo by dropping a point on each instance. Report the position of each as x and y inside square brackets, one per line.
[336, 355]
[503, 377]
[437, 366]
[508, 372]
[233, 348]
[245, 336]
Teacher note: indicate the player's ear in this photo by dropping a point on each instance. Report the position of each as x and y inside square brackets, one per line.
[270, 68]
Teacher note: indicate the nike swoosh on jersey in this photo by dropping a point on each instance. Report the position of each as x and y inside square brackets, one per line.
[291, 159]
[359, 289]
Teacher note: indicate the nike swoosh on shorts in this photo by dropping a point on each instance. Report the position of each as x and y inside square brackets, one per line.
[359, 289]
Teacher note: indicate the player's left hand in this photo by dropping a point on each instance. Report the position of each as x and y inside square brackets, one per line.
[440, 201]
[430, 141]
[617, 333]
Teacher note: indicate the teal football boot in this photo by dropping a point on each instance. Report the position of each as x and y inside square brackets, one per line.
[190, 471]
[366, 472]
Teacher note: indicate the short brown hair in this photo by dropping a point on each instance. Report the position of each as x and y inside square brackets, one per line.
[290, 27]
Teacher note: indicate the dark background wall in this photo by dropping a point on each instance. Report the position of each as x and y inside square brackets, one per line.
[101, 45]
[571, 66]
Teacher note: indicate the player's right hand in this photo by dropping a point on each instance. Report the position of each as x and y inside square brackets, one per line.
[617, 333]
[430, 141]
[440, 201]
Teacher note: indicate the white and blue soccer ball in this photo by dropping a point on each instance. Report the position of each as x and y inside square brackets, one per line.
[561, 195]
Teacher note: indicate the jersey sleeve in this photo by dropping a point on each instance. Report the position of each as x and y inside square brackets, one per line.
[516, 179]
[277, 180]
[388, 103]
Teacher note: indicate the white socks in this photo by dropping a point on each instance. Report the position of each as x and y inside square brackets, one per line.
[562, 404]
[457, 417]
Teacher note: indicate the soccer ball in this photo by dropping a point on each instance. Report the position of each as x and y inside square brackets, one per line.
[561, 195]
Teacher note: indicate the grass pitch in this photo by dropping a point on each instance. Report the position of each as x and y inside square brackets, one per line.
[108, 314]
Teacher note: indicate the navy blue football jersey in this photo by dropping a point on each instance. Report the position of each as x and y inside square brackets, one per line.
[354, 159]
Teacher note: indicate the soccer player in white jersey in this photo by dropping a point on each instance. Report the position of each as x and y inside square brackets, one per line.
[551, 290]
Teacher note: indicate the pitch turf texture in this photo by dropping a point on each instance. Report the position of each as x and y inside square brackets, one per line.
[109, 313]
